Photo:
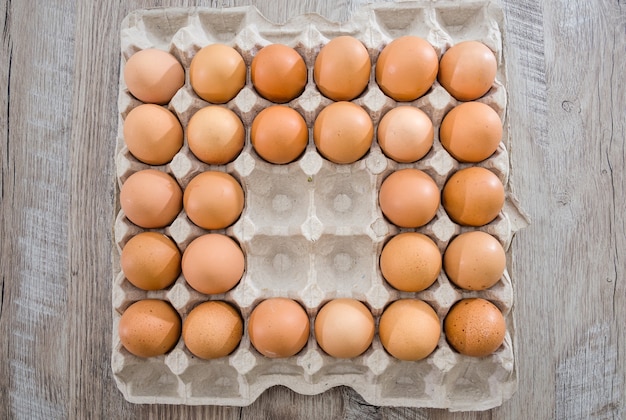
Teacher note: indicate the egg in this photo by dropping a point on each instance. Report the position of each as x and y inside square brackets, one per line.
[152, 134]
[279, 134]
[344, 328]
[407, 68]
[149, 328]
[410, 262]
[213, 200]
[467, 70]
[343, 132]
[473, 196]
[409, 329]
[151, 198]
[278, 73]
[342, 68]
[405, 134]
[215, 135]
[474, 260]
[212, 329]
[409, 198]
[150, 261]
[471, 132]
[213, 263]
[475, 327]
[153, 76]
[278, 327]
[217, 73]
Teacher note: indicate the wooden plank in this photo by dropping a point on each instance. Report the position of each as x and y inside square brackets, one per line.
[585, 44]
[37, 70]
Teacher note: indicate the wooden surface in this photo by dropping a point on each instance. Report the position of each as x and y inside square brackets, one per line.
[59, 69]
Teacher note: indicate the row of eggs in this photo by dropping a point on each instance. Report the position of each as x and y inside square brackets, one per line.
[214, 263]
[409, 329]
[343, 133]
[405, 70]
[409, 198]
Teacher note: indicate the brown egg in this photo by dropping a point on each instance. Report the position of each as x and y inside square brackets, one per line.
[153, 76]
[473, 196]
[279, 134]
[344, 328]
[406, 68]
[278, 73]
[405, 134]
[409, 198]
[410, 262]
[151, 198]
[149, 328]
[212, 329]
[474, 260]
[471, 132]
[343, 132]
[342, 68]
[475, 327]
[409, 329]
[467, 70]
[215, 135]
[213, 263]
[150, 261]
[217, 73]
[278, 327]
[213, 200]
[152, 134]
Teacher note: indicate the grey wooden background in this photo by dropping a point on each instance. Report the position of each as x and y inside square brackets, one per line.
[59, 70]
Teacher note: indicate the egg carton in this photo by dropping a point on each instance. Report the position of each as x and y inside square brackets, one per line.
[312, 230]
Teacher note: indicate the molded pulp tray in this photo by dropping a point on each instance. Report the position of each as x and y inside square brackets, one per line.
[312, 230]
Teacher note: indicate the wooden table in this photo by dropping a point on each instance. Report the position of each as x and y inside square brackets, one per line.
[60, 64]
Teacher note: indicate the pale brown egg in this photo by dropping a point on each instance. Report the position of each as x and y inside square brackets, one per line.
[215, 135]
[405, 134]
[406, 68]
[342, 68]
[151, 198]
[410, 262]
[213, 200]
[473, 196]
[150, 261]
[344, 328]
[343, 132]
[474, 260]
[153, 76]
[467, 70]
[213, 263]
[152, 134]
[471, 132]
[212, 329]
[149, 328]
[278, 327]
[475, 327]
[409, 198]
[217, 73]
[278, 73]
[409, 329]
[279, 134]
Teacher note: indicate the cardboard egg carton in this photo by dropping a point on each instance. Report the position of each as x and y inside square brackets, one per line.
[312, 230]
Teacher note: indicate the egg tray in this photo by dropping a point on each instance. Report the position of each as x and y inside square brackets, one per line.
[312, 230]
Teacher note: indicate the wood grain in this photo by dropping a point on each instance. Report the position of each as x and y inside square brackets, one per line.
[35, 167]
[567, 100]
[589, 197]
